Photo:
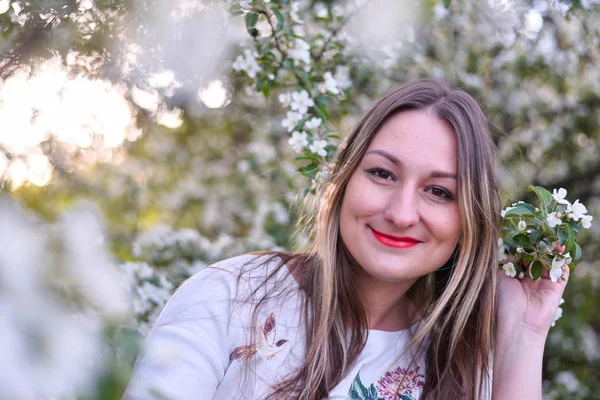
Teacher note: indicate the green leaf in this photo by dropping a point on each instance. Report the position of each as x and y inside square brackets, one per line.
[519, 211]
[311, 157]
[304, 78]
[570, 247]
[271, 56]
[288, 63]
[536, 269]
[536, 235]
[563, 235]
[575, 226]
[280, 20]
[260, 80]
[251, 20]
[312, 167]
[544, 195]
[266, 90]
[578, 253]
[321, 112]
[322, 100]
[525, 205]
[522, 240]
[447, 3]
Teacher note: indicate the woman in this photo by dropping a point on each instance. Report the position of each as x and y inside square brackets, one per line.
[397, 297]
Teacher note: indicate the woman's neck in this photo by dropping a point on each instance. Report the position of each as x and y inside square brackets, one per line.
[387, 306]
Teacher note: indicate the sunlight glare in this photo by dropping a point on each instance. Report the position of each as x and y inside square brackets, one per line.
[215, 95]
[45, 102]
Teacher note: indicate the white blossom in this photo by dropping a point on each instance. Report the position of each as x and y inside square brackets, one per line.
[323, 174]
[555, 274]
[556, 271]
[586, 221]
[338, 10]
[320, 10]
[559, 311]
[522, 225]
[137, 270]
[298, 30]
[291, 120]
[298, 141]
[330, 85]
[559, 195]
[301, 101]
[342, 76]
[313, 123]
[294, 9]
[576, 210]
[285, 99]
[318, 147]
[503, 212]
[300, 51]
[247, 62]
[501, 250]
[553, 220]
[509, 269]
[440, 12]
[557, 315]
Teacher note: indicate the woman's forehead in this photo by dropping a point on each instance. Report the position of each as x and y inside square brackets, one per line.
[416, 137]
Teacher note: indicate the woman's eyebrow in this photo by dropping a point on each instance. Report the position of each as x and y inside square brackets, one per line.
[443, 174]
[397, 162]
[387, 155]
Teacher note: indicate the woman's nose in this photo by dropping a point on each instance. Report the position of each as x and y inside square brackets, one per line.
[403, 208]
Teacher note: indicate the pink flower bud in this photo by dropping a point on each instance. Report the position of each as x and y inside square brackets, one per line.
[560, 249]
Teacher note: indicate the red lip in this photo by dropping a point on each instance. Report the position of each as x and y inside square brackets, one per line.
[395, 241]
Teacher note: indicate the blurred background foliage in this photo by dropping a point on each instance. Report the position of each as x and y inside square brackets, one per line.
[133, 106]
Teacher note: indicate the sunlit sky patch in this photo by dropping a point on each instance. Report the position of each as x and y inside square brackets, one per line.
[72, 109]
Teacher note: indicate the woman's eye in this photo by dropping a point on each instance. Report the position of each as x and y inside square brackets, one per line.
[380, 173]
[440, 193]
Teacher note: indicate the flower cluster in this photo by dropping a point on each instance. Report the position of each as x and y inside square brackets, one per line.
[59, 291]
[303, 127]
[538, 239]
[293, 47]
[149, 288]
[247, 63]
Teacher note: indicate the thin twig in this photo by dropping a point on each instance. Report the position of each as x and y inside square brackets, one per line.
[337, 30]
[274, 36]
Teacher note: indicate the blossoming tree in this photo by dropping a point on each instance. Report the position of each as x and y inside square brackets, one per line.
[188, 185]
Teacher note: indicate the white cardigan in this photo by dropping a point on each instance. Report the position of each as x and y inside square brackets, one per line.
[201, 346]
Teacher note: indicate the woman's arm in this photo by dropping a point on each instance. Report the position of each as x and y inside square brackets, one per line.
[526, 309]
[187, 354]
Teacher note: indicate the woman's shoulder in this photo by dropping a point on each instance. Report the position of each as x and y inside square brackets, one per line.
[246, 272]
[225, 282]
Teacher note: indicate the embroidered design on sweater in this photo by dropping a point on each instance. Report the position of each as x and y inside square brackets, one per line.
[266, 344]
[396, 384]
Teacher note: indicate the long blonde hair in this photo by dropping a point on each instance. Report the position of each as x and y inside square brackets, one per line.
[455, 336]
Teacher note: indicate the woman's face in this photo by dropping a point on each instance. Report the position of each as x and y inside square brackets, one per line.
[399, 217]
